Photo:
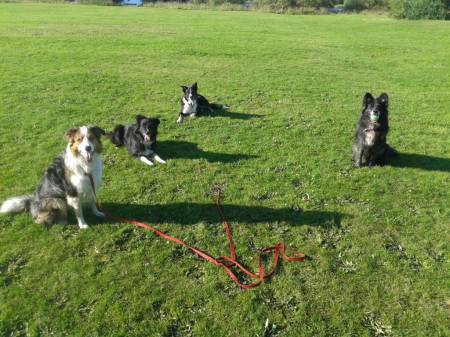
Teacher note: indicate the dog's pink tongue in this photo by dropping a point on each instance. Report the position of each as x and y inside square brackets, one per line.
[88, 157]
[146, 138]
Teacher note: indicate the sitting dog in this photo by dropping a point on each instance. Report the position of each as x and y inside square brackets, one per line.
[193, 104]
[72, 180]
[370, 147]
[138, 138]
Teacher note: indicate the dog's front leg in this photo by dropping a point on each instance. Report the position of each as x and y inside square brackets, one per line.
[358, 158]
[180, 118]
[146, 160]
[75, 203]
[359, 161]
[95, 210]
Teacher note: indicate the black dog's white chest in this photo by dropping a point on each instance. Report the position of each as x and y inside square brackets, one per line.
[370, 137]
[189, 108]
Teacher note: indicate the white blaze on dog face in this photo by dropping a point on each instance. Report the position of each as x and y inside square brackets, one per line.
[85, 147]
[190, 100]
[374, 115]
[190, 94]
[187, 108]
[85, 141]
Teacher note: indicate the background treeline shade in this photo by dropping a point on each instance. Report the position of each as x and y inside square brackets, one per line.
[402, 9]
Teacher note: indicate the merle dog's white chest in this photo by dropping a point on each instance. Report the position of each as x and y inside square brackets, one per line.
[81, 181]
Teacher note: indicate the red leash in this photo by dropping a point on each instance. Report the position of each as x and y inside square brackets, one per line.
[231, 261]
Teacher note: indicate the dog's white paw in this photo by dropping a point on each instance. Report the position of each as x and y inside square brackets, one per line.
[159, 159]
[180, 120]
[146, 161]
[83, 226]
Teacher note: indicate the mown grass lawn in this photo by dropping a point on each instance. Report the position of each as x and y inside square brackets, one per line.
[377, 239]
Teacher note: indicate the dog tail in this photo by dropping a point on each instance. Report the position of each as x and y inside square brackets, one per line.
[16, 204]
[116, 136]
[215, 106]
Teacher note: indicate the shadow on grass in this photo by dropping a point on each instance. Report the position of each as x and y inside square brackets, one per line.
[191, 213]
[233, 115]
[175, 149]
[420, 161]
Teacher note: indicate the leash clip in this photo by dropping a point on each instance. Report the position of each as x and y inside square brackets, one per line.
[217, 191]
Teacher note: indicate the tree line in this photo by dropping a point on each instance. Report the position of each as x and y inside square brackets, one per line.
[403, 9]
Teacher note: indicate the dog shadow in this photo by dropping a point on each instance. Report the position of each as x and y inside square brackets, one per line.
[424, 162]
[175, 149]
[193, 213]
[233, 115]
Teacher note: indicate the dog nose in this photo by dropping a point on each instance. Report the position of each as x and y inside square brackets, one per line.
[88, 148]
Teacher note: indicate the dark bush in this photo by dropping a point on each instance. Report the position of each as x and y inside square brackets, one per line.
[315, 3]
[359, 5]
[97, 2]
[355, 5]
[420, 9]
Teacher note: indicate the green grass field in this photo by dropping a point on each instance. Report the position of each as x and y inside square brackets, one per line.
[377, 239]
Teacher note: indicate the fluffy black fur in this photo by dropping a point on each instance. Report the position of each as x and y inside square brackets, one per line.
[370, 147]
[51, 194]
[49, 203]
[139, 138]
[194, 104]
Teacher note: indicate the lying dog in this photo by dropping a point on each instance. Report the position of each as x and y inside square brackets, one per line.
[138, 138]
[193, 104]
[72, 180]
[370, 147]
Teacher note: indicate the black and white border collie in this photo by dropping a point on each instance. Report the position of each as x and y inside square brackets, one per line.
[370, 145]
[138, 138]
[194, 104]
[67, 182]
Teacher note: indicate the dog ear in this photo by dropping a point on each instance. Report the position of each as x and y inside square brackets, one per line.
[384, 99]
[368, 100]
[98, 132]
[70, 134]
[194, 87]
[139, 118]
[185, 88]
[157, 121]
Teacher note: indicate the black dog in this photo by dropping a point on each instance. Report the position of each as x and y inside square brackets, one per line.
[139, 139]
[370, 147]
[193, 104]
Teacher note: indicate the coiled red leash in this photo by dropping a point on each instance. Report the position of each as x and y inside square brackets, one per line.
[228, 261]
[232, 260]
